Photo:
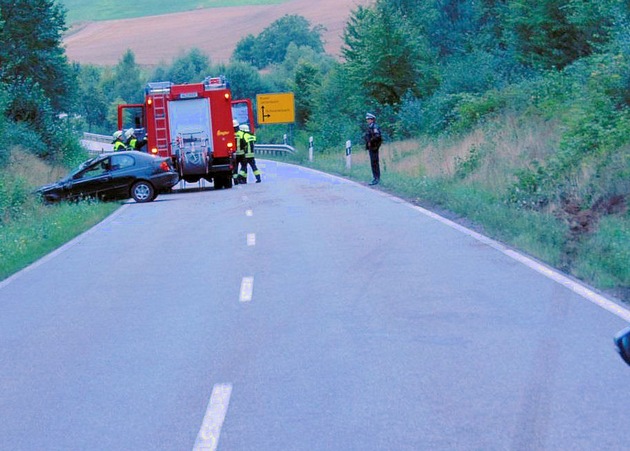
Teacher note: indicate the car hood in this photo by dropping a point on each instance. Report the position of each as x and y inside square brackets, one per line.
[50, 186]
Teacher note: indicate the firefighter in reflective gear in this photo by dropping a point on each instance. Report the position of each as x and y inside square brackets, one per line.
[132, 142]
[239, 156]
[249, 139]
[118, 141]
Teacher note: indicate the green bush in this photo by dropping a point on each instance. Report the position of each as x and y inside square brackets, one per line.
[604, 258]
[14, 193]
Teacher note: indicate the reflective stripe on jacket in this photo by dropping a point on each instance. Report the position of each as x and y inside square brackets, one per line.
[250, 139]
[240, 147]
[119, 145]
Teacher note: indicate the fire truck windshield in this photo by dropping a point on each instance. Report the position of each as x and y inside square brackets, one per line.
[190, 119]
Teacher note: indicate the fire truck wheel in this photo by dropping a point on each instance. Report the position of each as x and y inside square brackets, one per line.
[222, 181]
[142, 192]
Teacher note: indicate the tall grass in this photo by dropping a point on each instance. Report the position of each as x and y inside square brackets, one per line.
[40, 229]
[28, 229]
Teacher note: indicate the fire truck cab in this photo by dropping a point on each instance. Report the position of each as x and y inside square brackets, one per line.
[191, 124]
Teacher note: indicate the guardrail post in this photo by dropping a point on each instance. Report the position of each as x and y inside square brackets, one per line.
[348, 154]
[310, 149]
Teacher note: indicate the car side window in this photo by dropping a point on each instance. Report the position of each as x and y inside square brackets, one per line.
[94, 170]
[121, 162]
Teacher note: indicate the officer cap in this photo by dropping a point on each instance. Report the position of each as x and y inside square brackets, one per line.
[370, 116]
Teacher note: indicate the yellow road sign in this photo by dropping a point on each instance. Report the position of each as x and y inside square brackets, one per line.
[275, 108]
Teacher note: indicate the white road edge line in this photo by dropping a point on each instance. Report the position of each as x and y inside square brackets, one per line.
[208, 436]
[545, 270]
[247, 289]
[550, 273]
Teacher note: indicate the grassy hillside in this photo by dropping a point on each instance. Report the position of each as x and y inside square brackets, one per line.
[80, 10]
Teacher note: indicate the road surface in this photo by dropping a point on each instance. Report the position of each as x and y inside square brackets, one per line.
[302, 313]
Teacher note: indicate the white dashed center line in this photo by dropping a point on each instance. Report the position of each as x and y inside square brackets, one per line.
[247, 289]
[251, 239]
[208, 436]
[249, 213]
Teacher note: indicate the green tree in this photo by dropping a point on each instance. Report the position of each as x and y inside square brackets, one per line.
[385, 57]
[92, 102]
[554, 33]
[31, 54]
[270, 46]
[245, 80]
[191, 67]
[246, 50]
[306, 87]
[126, 82]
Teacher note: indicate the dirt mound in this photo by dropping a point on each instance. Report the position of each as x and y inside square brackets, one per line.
[215, 31]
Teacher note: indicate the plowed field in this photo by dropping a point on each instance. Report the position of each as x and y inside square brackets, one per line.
[215, 31]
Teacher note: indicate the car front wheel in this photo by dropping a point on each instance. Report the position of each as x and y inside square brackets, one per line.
[142, 192]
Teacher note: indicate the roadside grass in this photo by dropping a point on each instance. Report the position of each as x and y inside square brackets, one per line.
[82, 11]
[28, 229]
[466, 179]
[41, 229]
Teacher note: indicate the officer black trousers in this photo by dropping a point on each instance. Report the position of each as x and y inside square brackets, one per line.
[376, 167]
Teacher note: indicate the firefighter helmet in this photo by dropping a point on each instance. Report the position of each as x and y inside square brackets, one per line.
[245, 127]
[235, 123]
[117, 134]
[129, 132]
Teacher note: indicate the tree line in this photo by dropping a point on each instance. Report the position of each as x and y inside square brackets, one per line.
[425, 68]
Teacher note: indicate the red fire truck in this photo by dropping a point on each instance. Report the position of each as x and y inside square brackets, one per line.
[192, 124]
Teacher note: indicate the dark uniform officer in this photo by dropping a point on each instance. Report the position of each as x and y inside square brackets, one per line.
[373, 141]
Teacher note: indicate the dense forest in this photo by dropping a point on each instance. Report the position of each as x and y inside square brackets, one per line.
[534, 94]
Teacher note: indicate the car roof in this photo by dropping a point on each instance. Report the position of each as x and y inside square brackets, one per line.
[134, 153]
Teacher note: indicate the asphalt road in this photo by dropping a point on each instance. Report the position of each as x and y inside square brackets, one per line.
[302, 313]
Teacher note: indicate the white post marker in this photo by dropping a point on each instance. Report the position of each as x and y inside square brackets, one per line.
[310, 149]
[247, 289]
[284, 139]
[348, 154]
[208, 436]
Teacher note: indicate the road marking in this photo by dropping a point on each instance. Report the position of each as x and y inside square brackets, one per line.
[208, 436]
[251, 239]
[552, 274]
[247, 289]
[249, 213]
[541, 268]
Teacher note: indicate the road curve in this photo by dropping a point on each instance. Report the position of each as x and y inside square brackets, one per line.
[305, 313]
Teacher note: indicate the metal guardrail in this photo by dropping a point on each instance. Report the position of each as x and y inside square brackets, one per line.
[273, 149]
[91, 142]
[97, 138]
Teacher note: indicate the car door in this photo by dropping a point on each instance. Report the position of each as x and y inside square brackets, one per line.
[91, 181]
[124, 172]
